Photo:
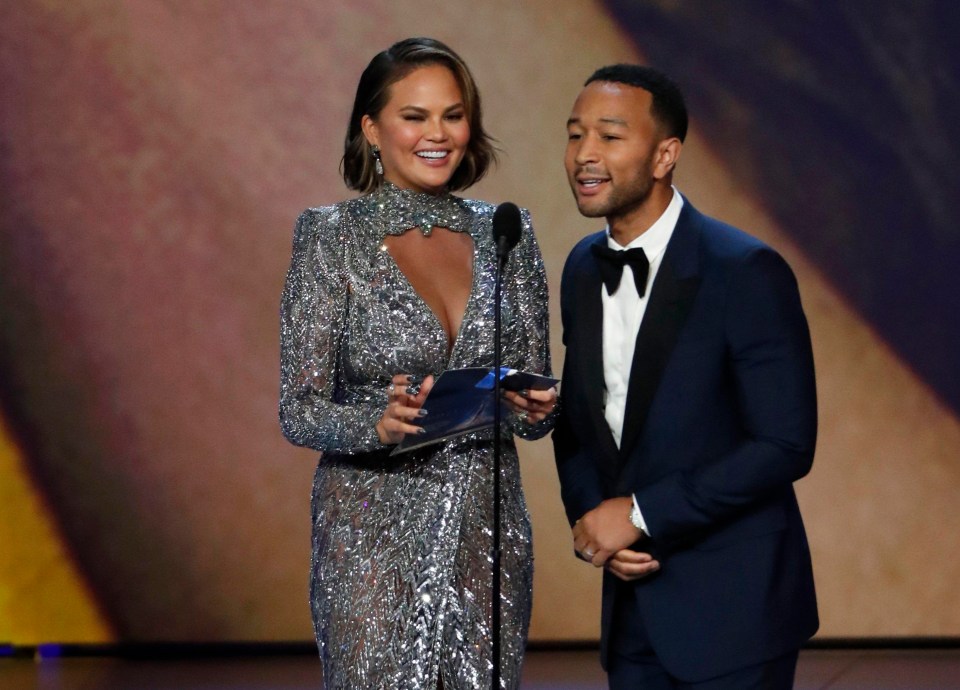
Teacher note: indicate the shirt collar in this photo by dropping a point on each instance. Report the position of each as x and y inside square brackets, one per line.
[654, 240]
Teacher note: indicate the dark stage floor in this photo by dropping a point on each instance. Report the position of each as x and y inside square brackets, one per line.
[819, 669]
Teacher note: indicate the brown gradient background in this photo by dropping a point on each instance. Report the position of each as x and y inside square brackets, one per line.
[153, 158]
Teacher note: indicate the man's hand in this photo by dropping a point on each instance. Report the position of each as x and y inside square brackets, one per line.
[605, 530]
[632, 565]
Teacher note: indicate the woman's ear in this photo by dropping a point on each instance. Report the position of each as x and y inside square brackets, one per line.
[369, 129]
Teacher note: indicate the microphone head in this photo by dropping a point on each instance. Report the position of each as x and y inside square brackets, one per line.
[506, 227]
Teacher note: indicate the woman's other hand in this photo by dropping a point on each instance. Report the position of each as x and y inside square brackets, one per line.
[405, 403]
[532, 406]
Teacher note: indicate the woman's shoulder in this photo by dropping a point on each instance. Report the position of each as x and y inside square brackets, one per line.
[478, 207]
[484, 211]
[324, 223]
[319, 216]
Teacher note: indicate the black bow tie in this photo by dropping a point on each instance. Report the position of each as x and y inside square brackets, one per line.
[611, 263]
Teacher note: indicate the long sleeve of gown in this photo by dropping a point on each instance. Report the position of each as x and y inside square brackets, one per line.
[526, 279]
[316, 409]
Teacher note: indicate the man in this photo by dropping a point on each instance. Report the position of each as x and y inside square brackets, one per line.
[688, 410]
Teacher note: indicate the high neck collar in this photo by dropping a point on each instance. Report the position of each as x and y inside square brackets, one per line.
[397, 210]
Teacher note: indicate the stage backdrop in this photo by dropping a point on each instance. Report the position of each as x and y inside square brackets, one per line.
[154, 156]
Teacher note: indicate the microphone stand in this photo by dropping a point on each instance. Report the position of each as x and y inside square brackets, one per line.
[495, 622]
[507, 228]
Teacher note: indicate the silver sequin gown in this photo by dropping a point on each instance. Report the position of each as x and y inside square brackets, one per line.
[401, 570]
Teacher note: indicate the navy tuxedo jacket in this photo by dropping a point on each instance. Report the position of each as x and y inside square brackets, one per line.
[720, 421]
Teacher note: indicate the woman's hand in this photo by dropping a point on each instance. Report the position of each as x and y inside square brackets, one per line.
[532, 406]
[404, 407]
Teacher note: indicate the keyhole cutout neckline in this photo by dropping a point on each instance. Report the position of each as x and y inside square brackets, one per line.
[395, 212]
[439, 268]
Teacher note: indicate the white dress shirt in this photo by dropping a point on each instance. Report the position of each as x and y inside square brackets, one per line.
[623, 312]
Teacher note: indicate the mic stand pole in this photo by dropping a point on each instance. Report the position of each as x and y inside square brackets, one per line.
[495, 623]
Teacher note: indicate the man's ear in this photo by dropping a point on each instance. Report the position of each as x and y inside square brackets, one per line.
[668, 153]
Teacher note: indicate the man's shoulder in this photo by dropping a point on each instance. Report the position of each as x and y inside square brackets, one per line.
[726, 248]
[723, 239]
[730, 254]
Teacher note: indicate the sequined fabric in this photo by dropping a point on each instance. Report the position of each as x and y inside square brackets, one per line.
[401, 571]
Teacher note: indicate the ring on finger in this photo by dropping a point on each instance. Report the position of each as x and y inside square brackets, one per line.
[391, 389]
[523, 416]
[588, 553]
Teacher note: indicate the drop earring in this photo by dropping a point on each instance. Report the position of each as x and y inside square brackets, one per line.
[377, 165]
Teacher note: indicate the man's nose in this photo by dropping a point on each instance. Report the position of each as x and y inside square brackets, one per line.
[586, 151]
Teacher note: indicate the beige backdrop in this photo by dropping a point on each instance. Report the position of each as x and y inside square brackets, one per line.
[155, 156]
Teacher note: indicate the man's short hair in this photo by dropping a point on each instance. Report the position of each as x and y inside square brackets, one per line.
[668, 109]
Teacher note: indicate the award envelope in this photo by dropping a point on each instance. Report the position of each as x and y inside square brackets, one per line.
[461, 401]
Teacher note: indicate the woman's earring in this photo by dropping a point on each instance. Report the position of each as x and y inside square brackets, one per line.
[378, 166]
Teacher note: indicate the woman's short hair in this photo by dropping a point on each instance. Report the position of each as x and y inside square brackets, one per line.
[373, 92]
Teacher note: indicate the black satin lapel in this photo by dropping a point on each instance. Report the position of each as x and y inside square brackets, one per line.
[670, 302]
[591, 353]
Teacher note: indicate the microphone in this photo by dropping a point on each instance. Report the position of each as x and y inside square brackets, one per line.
[506, 228]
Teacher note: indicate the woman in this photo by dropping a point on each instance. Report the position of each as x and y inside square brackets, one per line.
[384, 292]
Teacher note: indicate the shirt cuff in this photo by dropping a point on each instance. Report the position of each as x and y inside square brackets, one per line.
[639, 515]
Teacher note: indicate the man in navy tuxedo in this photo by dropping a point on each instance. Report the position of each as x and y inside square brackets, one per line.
[688, 409]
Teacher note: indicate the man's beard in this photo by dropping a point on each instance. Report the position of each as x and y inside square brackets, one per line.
[625, 200]
[621, 202]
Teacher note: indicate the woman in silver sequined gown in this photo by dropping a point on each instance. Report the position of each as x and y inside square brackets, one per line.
[401, 572]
